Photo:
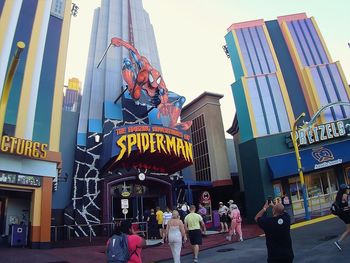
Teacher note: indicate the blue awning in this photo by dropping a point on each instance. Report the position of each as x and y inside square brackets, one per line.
[318, 157]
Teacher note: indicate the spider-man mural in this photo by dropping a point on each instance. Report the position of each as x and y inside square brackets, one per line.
[146, 86]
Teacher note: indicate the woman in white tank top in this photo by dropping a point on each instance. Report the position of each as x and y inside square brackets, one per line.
[175, 233]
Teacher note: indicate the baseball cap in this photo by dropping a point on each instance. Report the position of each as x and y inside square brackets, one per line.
[230, 202]
[344, 186]
[220, 203]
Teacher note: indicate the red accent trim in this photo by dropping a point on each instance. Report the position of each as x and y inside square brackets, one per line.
[292, 17]
[222, 182]
[252, 23]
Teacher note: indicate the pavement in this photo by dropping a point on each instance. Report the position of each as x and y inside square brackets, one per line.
[312, 242]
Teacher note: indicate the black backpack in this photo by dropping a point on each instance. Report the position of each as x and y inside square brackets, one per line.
[335, 209]
[117, 249]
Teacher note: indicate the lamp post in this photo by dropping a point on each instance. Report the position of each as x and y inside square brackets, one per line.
[8, 83]
[300, 169]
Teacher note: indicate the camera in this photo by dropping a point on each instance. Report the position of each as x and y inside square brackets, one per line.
[269, 199]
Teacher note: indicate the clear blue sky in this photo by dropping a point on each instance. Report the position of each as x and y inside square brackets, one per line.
[190, 35]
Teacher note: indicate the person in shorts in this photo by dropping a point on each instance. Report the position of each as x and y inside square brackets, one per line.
[223, 211]
[159, 217]
[194, 225]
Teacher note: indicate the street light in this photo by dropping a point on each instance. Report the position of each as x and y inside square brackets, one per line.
[300, 168]
[8, 83]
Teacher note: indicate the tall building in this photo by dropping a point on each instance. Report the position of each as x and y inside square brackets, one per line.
[282, 69]
[211, 170]
[29, 156]
[98, 180]
[72, 96]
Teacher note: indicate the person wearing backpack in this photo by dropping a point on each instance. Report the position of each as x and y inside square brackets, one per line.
[124, 246]
[343, 213]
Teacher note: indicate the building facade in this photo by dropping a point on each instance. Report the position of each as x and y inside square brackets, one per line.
[108, 113]
[282, 69]
[72, 96]
[29, 156]
[211, 171]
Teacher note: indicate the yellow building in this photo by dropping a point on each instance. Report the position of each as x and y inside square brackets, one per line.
[29, 151]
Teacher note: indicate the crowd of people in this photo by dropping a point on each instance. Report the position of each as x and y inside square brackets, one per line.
[172, 227]
[188, 222]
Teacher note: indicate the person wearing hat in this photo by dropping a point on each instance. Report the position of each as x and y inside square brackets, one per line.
[231, 204]
[223, 210]
[236, 223]
[344, 214]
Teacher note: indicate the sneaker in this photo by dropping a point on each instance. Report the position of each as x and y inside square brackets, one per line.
[338, 245]
[228, 238]
[195, 260]
[241, 239]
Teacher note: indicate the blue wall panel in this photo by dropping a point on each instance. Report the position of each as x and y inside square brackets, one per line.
[23, 33]
[290, 76]
[43, 111]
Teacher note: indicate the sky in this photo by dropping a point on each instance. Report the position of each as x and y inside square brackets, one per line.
[190, 35]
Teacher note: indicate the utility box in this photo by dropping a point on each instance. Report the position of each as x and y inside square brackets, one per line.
[18, 235]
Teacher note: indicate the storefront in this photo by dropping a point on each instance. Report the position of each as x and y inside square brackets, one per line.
[139, 170]
[27, 170]
[273, 170]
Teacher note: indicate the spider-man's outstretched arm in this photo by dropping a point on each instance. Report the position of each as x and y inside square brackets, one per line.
[134, 53]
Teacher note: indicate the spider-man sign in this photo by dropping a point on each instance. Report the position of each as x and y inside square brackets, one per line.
[146, 86]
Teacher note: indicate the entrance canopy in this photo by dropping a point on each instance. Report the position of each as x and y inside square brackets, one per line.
[152, 147]
[312, 159]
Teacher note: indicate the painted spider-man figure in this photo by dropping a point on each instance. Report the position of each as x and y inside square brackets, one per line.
[146, 85]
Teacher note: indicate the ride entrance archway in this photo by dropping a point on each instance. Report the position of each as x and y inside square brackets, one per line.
[141, 196]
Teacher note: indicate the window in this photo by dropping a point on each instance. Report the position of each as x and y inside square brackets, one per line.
[200, 150]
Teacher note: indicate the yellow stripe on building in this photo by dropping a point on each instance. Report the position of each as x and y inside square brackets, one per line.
[280, 78]
[55, 128]
[342, 75]
[4, 22]
[22, 119]
[250, 107]
[298, 65]
[313, 93]
[239, 51]
[321, 39]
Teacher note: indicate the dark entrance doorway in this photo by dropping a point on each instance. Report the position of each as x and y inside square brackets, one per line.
[141, 196]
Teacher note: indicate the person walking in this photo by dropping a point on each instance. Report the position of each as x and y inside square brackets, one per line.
[193, 224]
[166, 217]
[175, 233]
[344, 212]
[133, 244]
[152, 225]
[159, 217]
[223, 210]
[277, 232]
[236, 223]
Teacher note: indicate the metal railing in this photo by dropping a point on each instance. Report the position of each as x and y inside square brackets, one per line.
[319, 205]
[70, 232]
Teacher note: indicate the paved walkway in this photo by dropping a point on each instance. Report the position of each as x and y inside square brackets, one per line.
[312, 243]
[96, 254]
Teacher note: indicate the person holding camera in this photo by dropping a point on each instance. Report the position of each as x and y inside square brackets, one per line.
[277, 232]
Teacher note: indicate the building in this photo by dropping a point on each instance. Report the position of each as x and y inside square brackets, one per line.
[108, 112]
[72, 96]
[283, 68]
[30, 158]
[213, 169]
